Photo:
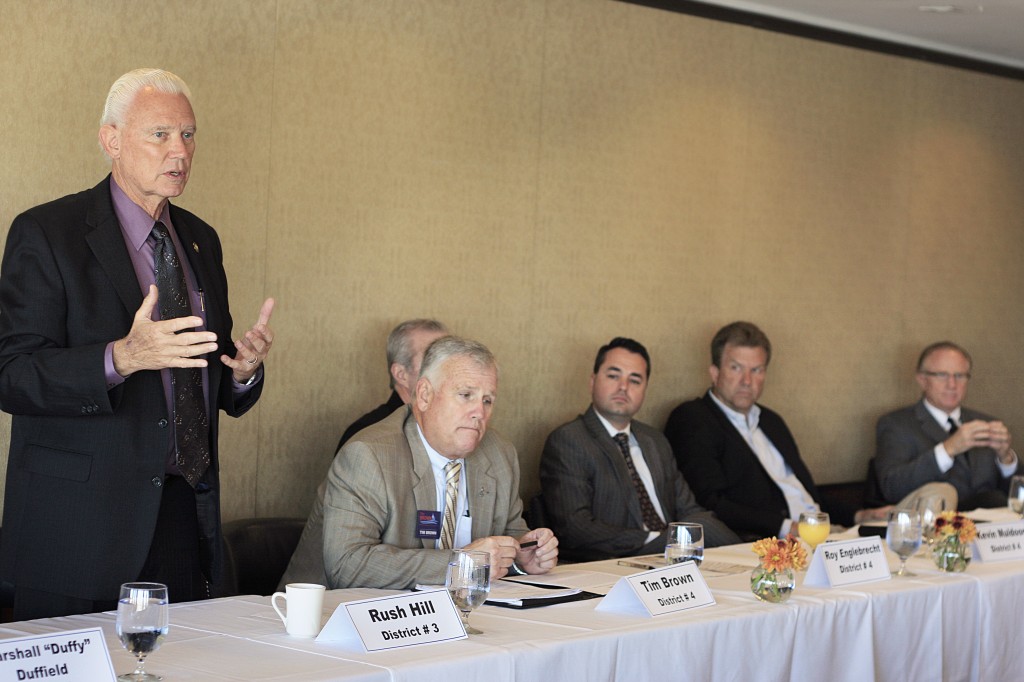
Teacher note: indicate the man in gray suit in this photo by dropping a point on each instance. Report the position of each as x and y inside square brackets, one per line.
[937, 439]
[610, 484]
[394, 504]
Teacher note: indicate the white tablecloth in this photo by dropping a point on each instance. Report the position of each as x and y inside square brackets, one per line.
[936, 626]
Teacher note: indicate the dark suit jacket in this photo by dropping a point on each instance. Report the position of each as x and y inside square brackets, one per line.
[905, 458]
[726, 475]
[589, 499]
[369, 419]
[86, 464]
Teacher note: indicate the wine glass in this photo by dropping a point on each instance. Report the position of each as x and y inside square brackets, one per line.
[685, 542]
[929, 507]
[814, 528]
[468, 581]
[1016, 498]
[903, 535]
[141, 624]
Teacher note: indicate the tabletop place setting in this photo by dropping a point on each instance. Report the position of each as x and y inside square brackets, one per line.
[142, 625]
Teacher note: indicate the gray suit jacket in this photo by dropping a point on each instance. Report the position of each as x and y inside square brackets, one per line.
[905, 460]
[589, 499]
[362, 530]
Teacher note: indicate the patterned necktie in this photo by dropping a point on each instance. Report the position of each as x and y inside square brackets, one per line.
[952, 426]
[651, 518]
[191, 422]
[452, 471]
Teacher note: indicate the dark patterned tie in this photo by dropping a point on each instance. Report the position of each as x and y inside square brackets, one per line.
[651, 518]
[191, 423]
[952, 426]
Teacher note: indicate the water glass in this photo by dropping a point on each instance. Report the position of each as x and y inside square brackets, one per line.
[1016, 497]
[903, 535]
[468, 581]
[685, 542]
[142, 623]
[929, 507]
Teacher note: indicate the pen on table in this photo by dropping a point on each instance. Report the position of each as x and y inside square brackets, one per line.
[528, 543]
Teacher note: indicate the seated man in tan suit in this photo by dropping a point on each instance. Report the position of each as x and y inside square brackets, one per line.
[426, 479]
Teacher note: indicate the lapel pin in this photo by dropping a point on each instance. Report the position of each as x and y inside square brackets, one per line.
[195, 247]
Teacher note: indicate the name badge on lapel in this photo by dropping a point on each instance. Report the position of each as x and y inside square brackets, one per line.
[428, 524]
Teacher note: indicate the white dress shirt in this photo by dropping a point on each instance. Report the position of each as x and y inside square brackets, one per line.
[463, 522]
[797, 498]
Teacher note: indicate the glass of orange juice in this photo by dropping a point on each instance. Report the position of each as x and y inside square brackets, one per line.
[813, 528]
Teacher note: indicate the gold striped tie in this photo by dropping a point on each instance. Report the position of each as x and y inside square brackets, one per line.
[452, 471]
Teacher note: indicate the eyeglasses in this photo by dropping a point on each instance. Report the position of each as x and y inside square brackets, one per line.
[959, 377]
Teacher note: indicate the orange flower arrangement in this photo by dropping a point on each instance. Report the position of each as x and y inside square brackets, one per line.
[778, 555]
[954, 534]
[950, 523]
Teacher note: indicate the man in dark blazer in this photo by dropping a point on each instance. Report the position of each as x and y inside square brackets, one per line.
[937, 439]
[96, 488]
[739, 457]
[405, 347]
[592, 500]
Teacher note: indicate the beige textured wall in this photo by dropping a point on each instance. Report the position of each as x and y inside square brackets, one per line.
[544, 175]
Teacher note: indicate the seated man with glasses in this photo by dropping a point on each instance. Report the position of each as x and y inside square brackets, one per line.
[937, 439]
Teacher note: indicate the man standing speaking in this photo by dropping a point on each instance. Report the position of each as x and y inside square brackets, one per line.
[115, 360]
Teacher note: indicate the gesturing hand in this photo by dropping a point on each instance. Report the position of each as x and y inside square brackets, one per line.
[253, 347]
[158, 345]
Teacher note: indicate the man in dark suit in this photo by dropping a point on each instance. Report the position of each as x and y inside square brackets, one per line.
[112, 474]
[739, 457]
[937, 439]
[609, 484]
[406, 344]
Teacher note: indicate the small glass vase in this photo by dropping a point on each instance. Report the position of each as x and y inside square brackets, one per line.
[951, 555]
[773, 587]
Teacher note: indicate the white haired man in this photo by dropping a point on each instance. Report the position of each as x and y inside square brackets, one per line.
[115, 360]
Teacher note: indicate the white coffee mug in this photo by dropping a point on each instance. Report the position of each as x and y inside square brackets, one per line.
[305, 608]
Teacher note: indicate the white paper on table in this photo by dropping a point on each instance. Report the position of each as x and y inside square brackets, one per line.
[591, 581]
[709, 569]
[510, 592]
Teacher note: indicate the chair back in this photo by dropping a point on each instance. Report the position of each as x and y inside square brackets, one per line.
[257, 552]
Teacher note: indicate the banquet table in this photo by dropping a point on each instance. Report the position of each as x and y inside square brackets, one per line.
[935, 626]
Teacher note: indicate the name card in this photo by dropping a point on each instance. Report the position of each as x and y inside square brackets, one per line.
[70, 656]
[848, 562]
[663, 590]
[1000, 541]
[394, 622]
